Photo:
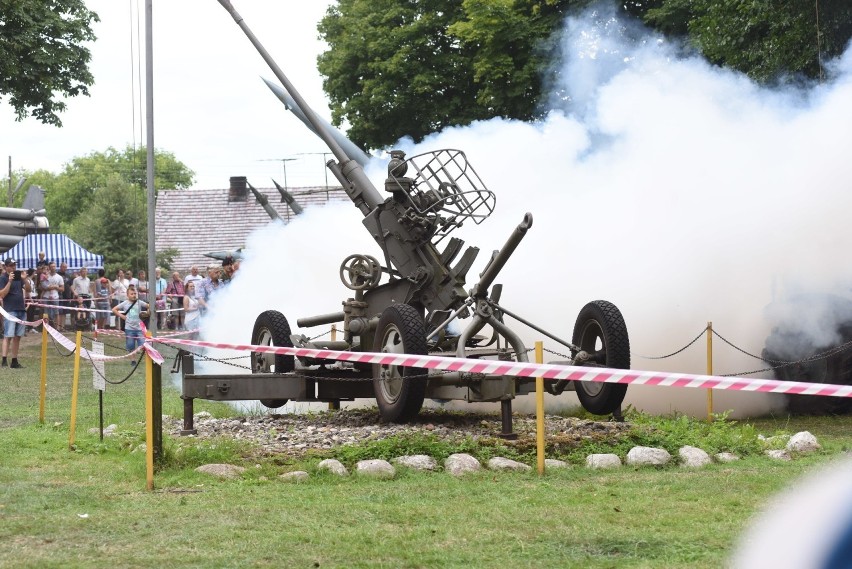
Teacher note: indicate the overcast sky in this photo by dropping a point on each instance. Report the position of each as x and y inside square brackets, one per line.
[211, 109]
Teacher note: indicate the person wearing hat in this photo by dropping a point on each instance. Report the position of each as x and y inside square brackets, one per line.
[12, 290]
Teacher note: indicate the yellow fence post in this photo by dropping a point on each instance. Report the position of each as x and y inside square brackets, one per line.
[539, 410]
[43, 390]
[74, 386]
[710, 370]
[149, 421]
[334, 405]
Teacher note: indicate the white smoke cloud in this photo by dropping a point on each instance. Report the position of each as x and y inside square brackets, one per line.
[678, 191]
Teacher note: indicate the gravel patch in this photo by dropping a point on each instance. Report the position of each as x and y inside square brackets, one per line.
[295, 435]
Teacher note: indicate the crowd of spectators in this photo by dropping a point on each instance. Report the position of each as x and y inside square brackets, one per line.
[51, 292]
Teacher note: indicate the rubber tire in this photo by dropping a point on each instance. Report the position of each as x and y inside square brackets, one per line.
[271, 328]
[601, 320]
[400, 330]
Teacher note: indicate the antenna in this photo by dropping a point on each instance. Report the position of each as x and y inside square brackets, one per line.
[324, 161]
[283, 164]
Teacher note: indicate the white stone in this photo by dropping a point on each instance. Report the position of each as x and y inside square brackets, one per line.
[334, 466]
[295, 476]
[108, 431]
[726, 457]
[803, 442]
[221, 470]
[376, 468]
[461, 463]
[203, 415]
[553, 463]
[648, 456]
[692, 457]
[500, 463]
[417, 462]
[779, 454]
[603, 461]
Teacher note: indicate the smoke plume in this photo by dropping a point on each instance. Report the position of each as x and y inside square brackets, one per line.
[681, 192]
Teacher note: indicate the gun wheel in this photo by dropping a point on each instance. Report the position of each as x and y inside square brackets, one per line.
[271, 329]
[399, 390]
[600, 330]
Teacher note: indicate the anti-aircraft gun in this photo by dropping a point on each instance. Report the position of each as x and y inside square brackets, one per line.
[429, 196]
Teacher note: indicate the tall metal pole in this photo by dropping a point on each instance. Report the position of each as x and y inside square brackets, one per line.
[154, 377]
[149, 125]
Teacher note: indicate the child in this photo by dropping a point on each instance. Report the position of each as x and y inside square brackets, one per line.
[132, 311]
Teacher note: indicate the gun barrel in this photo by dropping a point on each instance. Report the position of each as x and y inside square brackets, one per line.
[355, 174]
[351, 149]
[311, 321]
[499, 260]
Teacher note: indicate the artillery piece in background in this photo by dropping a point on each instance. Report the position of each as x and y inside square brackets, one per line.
[811, 341]
[424, 273]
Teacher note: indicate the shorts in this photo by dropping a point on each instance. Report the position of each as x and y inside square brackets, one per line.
[133, 339]
[52, 308]
[11, 328]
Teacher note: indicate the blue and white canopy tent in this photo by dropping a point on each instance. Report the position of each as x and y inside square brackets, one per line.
[57, 247]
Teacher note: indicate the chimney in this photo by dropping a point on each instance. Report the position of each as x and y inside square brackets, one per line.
[238, 192]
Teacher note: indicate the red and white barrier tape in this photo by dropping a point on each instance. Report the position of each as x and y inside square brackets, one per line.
[71, 346]
[112, 332]
[547, 371]
[8, 316]
[57, 307]
[64, 308]
[499, 368]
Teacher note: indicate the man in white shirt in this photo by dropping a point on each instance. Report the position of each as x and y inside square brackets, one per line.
[192, 277]
[52, 288]
[82, 285]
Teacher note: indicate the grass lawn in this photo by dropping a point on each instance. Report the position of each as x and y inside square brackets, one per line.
[89, 508]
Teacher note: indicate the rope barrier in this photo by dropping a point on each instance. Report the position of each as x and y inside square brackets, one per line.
[500, 368]
[547, 371]
[698, 337]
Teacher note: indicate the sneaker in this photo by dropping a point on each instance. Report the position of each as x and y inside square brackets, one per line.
[16, 365]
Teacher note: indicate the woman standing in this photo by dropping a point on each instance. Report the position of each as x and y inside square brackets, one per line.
[119, 295]
[103, 290]
[191, 309]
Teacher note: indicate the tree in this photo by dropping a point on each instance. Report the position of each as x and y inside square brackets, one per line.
[394, 70]
[42, 56]
[515, 46]
[70, 192]
[766, 40]
[397, 68]
[114, 224]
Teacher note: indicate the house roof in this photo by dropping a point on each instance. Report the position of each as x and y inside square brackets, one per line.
[199, 221]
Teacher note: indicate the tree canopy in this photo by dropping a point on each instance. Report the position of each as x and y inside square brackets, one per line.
[114, 224]
[393, 69]
[70, 192]
[43, 56]
[100, 201]
[410, 68]
[766, 40]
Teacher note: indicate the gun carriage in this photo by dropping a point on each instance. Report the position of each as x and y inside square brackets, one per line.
[410, 298]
